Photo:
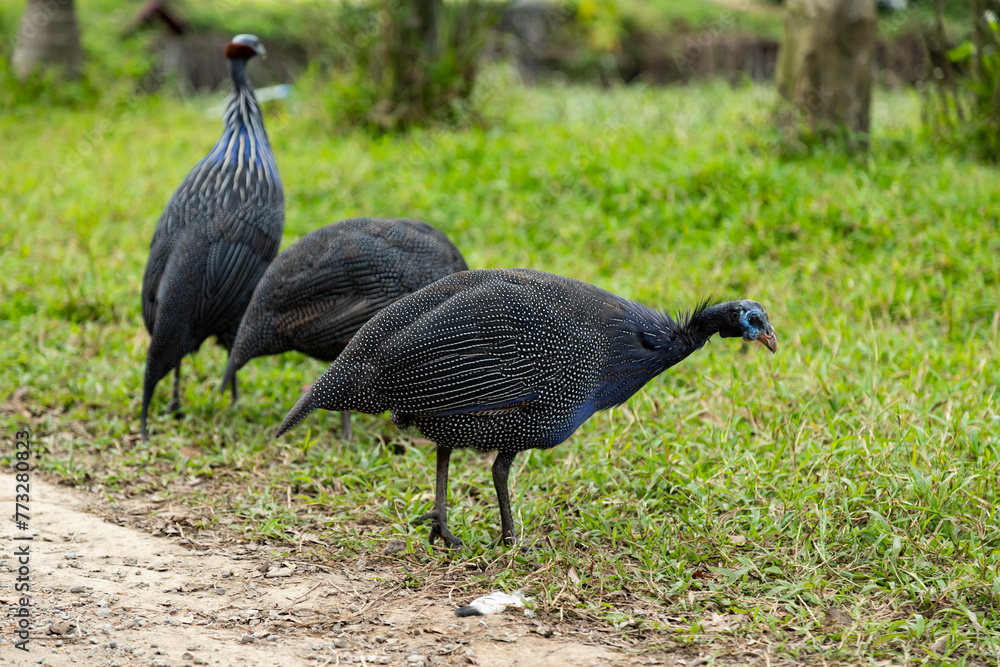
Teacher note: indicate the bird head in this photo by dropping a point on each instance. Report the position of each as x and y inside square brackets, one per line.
[748, 320]
[245, 47]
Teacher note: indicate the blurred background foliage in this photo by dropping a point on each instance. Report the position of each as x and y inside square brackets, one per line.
[389, 65]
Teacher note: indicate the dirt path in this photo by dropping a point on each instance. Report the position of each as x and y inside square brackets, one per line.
[105, 594]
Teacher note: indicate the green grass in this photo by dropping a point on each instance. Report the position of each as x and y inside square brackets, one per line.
[856, 469]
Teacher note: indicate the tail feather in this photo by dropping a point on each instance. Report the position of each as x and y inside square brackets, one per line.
[230, 373]
[156, 370]
[302, 408]
[341, 387]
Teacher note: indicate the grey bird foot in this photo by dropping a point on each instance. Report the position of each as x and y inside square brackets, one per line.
[518, 542]
[440, 529]
[510, 541]
[345, 426]
[174, 408]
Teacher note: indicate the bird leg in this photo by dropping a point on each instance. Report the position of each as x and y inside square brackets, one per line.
[174, 406]
[234, 390]
[501, 468]
[439, 516]
[345, 425]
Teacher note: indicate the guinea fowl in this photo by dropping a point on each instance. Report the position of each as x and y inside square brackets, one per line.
[510, 360]
[317, 293]
[218, 233]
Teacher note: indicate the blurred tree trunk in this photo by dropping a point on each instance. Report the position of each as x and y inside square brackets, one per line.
[50, 37]
[427, 59]
[416, 44]
[826, 62]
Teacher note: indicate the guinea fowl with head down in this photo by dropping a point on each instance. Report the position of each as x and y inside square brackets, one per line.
[317, 293]
[510, 360]
[218, 233]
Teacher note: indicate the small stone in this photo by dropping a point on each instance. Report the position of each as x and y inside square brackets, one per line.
[279, 572]
[837, 618]
[394, 547]
[272, 638]
[161, 663]
[339, 643]
[63, 629]
[543, 630]
[138, 652]
[247, 639]
[106, 628]
[113, 644]
[70, 555]
[220, 591]
[78, 589]
[103, 613]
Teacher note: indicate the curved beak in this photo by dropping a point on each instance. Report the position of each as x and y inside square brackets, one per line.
[770, 341]
[261, 51]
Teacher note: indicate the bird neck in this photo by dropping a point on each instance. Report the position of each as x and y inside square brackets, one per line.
[243, 112]
[708, 321]
[238, 73]
[241, 159]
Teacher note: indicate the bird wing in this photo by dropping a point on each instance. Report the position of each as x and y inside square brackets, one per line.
[236, 261]
[330, 324]
[164, 237]
[319, 303]
[470, 358]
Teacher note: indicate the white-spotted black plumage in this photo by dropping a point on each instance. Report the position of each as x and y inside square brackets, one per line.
[316, 294]
[218, 233]
[509, 360]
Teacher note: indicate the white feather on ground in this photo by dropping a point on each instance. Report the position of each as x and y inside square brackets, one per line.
[494, 603]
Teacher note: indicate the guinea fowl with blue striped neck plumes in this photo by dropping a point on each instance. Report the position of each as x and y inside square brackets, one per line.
[510, 360]
[218, 233]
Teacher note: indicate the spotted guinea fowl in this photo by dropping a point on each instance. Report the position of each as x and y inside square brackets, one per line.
[318, 292]
[218, 233]
[509, 360]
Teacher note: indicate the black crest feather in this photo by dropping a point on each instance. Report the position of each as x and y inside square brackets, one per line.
[684, 319]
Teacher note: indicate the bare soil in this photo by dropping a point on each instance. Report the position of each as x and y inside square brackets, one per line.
[109, 594]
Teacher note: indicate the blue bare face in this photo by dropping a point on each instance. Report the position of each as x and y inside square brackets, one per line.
[753, 324]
